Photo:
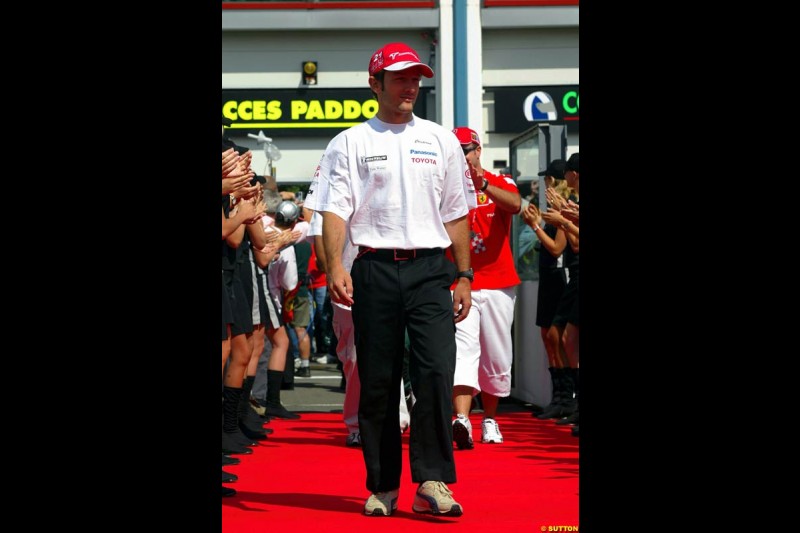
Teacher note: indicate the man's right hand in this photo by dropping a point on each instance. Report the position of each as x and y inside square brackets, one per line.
[340, 284]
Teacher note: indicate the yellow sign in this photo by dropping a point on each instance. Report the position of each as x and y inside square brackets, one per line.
[300, 113]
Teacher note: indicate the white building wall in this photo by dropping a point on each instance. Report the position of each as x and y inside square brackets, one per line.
[519, 46]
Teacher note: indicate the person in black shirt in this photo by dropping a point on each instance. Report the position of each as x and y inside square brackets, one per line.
[552, 282]
[567, 315]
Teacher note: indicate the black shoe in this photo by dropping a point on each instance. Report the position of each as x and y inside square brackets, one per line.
[570, 420]
[227, 477]
[232, 447]
[255, 422]
[227, 491]
[549, 407]
[258, 408]
[227, 460]
[242, 439]
[250, 433]
[556, 411]
[575, 431]
[254, 419]
[303, 372]
[279, 411]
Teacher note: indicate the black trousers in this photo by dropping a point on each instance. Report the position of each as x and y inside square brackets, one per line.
[388, 298]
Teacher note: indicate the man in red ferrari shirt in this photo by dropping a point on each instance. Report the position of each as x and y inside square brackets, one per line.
[483, 339]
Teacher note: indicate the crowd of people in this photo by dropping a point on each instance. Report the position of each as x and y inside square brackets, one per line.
[407, 268]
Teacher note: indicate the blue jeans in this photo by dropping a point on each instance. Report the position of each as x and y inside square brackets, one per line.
[321, 319]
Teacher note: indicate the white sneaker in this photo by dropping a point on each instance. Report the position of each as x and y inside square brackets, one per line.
[490, 431]
[462, 432]
[381, 503]
[435, 497]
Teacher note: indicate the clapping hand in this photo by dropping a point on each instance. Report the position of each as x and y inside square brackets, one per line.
[248, 192]
[531, 216]
[234, 182]
[260, 208]
[571, 214]
[230, 160]
[553, 217]
[555, 200]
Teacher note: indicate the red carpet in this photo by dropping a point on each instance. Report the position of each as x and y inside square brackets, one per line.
[304, 477]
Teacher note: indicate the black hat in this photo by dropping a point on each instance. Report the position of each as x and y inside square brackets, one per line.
[572, 163]
[226, 121]
[228, 143]
[258, 179]
[555, 168]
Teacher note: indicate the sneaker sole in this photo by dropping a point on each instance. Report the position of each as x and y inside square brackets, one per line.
[492, 441]
[461, 436]
[455, 510]
[379, 512]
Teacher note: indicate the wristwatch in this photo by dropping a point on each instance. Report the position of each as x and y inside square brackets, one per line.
[466, 274]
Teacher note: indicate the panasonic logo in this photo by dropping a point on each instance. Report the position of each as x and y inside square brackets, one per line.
[420, 152]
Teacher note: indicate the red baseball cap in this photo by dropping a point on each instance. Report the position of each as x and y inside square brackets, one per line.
[467, 136]
[397, 56]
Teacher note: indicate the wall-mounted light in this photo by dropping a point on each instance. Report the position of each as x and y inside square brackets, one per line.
[309, 72]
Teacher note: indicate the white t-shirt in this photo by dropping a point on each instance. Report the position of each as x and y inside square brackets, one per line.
[282, 275]
[396, 184]
[313, 189]
[282, 270]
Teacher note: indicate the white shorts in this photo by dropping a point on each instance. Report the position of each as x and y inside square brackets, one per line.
[483, 342]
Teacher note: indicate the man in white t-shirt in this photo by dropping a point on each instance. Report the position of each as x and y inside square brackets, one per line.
[398, 188]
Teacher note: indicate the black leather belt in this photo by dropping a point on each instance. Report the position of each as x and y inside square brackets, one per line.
[397, 254]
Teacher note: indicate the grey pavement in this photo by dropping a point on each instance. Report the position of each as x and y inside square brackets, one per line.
[321, 393]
